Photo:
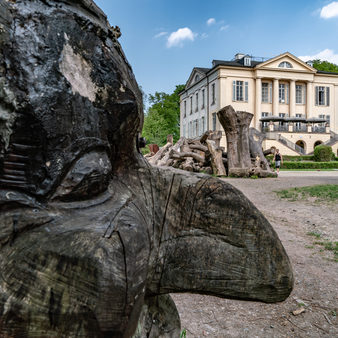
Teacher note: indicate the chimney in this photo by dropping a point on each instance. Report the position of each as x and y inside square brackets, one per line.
[239, 56]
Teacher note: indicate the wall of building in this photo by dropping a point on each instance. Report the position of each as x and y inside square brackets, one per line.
[223, 76]
[308, 138]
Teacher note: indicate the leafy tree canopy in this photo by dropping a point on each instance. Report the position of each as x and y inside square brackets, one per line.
[162, 117]
[325, 66]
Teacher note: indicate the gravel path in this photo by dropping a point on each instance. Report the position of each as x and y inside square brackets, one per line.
[316, 274]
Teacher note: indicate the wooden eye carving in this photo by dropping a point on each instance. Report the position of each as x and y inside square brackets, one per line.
[89, 176]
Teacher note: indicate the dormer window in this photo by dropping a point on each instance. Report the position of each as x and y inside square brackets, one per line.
[285, 64]
[247, 61]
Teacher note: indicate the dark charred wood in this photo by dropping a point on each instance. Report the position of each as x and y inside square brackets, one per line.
[95, 238]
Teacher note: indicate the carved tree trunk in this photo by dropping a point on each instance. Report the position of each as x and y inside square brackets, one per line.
[262, 167]
[236, 127]
[93, 237]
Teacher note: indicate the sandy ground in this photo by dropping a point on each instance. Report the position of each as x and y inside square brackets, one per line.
[316, 274]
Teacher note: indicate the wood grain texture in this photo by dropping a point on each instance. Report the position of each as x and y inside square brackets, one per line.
[92, 237]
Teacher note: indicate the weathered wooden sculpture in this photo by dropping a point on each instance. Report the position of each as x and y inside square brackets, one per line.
[243, 144]
[90, 233]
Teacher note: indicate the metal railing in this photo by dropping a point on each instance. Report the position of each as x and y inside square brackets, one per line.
[291, 144]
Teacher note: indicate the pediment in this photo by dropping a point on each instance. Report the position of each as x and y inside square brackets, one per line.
[195, 76]
[286, 62]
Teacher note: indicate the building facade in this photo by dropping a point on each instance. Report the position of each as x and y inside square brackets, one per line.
[294, 105]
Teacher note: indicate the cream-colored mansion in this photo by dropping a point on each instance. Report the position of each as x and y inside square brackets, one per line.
[295, 105]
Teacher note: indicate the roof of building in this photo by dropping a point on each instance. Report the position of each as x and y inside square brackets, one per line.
[325, 72]
[238, 61]
[234, 63]
[204, 70]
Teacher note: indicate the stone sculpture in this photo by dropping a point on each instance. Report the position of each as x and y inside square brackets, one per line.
[89, 232]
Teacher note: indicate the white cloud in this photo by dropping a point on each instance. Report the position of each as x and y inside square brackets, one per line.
[224, 28]
[204, 35]
[177, 38]
[324, 55]
[160, 34]
[211, 21]
[330, 10]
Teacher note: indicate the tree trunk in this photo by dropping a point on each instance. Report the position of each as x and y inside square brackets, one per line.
[166, 158]
[216, 159]
[183, 155]
[236, 127]
[153, 160]
[255, 141]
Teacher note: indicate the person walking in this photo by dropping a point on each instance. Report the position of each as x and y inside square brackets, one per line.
[278, 158]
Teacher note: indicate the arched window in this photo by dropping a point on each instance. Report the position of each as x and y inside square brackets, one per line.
[197, 77]
[301, 144]
[317, 143]
[285, 64]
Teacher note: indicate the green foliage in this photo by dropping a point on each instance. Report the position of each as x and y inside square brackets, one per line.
[325, 66]
[314, 234]
[293, 158]
[163, 117]
[322, 153]
[330, 246]
[183, 333]
[310, 165]
[325, 192]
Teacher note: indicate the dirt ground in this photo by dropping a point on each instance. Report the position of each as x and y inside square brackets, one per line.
[316, 274]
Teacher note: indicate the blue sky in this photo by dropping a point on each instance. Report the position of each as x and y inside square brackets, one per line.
[164, 39]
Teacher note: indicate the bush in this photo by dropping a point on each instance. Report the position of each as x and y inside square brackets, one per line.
[323, 153]
[309, 165]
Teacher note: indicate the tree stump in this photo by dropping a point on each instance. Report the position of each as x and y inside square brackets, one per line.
[243, 146]
[236, 127]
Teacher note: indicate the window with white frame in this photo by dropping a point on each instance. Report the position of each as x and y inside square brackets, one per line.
[213, 94]
[300, 94]
[298, 124]
[322, 96]
[322, 116]
[328, 119]
[240, 91]
[213, 121]
[190, 105]
[203, 98]
[265, 92]
[202, 125]
[247, 61]
[196, 127]
[283, 93]
[196, 108]
[285, 64]
[265, 124]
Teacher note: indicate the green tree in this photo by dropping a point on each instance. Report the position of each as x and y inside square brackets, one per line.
[325, 66]
[162, 117]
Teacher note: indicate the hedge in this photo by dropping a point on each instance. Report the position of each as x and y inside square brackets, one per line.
[293, 158]
[308, 165]
[297, 158]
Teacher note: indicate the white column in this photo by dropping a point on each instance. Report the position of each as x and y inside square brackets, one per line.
[292, 103]
[309, 99]
[275, 97]
[258, 112]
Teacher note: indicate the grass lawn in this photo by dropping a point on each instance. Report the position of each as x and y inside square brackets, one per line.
[281, 169]
[327, 192]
